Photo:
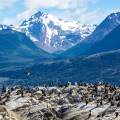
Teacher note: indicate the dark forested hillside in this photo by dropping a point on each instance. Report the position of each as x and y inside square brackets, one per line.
[100, 67]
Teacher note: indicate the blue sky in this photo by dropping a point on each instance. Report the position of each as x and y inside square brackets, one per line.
[85, 11]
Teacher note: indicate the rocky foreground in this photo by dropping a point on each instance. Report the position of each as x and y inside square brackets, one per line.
[71, 102]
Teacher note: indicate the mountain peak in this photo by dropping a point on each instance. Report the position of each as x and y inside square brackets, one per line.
[54, 34]
[114, 16]
[37, 15]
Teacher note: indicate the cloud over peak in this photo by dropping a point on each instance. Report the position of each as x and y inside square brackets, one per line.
[85, 11]
[66, 9]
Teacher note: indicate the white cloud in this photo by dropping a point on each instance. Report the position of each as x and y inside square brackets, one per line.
[78, 10]
[26, 14]
[65, 9]
[68, 9]
[62, 4]
[33, 6]
[84, 16]
[4, 4]
[9, 21]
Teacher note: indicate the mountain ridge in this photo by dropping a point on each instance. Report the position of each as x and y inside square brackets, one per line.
[109, 43]
[110, 23]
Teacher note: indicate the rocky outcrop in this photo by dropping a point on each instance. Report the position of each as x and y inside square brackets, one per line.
[71, 102]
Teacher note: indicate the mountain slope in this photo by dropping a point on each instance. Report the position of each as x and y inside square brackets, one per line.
[13, 43]
[53, 34]
[109, 24]
[110, 42]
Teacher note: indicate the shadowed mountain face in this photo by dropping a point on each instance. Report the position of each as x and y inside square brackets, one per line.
[17, 49]
[110, 42]
[13, 43]
[108, 25]
[100, 67]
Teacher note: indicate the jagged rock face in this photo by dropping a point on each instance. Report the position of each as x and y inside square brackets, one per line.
[53, 34]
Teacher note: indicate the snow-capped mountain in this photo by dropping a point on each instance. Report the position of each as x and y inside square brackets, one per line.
[53, 34]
